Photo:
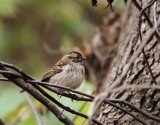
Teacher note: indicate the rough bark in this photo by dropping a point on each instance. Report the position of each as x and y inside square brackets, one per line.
[138, 74]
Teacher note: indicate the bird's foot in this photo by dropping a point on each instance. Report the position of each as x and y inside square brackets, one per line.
[74, 96]
[60, 93]
[60, 115]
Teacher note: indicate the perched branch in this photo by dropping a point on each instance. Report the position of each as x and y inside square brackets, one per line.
[69, 95]
[57, 86]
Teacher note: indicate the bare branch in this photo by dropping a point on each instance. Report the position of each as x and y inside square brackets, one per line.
[57, 86]
[16, 69]
[10, 73]
[69, 95]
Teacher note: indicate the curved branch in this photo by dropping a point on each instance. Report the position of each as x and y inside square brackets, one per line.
[58, 86]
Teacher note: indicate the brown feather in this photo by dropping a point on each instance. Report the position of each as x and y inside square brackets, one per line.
[64, 61]
[57, 68]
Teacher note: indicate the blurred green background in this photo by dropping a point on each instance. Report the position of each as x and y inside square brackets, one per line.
[34, 34]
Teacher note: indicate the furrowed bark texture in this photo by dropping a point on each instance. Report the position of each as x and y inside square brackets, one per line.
[138, 74]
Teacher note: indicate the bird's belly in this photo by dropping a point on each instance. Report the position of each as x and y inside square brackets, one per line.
[71, 79]
[76, 79]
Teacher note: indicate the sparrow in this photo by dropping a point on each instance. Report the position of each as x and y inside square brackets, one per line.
[68, 71]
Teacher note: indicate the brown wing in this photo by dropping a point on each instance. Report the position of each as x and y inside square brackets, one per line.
[50, 73]
[63, 61]
[57, 68]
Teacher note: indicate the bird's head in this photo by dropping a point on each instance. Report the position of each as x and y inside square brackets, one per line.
[76, 57]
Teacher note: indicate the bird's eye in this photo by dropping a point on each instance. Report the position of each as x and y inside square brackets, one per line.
[78, 57]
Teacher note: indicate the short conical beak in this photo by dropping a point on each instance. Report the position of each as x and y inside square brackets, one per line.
[84, 58]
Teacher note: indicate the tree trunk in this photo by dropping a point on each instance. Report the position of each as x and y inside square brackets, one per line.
[146, 99]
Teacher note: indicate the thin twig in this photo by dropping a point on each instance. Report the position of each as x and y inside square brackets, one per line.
[16, 69]
[10, 73]
[138, 119]
[135, 87]
[69, 95]
[140, 20]
[135, 108]
[149, 68]
[144, 9]
[140, 16]
[58, 86]
[33, 108]
[147, 18]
